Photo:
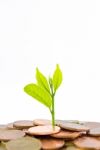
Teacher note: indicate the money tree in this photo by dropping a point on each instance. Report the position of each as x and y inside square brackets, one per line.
[44, 89]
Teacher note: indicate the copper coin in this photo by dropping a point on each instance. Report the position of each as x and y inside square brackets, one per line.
[43, 130]
[73, 127]
[87, 142]
[52, 143]
[66, 134]
[94, 132]
[41, 122]
[6, 135]
[23, 124]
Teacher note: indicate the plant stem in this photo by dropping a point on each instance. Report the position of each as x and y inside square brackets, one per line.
[53, 113]
[53, 105]
[52, 110]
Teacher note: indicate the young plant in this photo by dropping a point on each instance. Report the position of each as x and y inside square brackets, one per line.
[45, 89]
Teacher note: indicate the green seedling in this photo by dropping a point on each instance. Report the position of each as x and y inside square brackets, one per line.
[45, 89]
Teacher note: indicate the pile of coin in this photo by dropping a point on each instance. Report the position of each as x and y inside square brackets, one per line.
[39, 134]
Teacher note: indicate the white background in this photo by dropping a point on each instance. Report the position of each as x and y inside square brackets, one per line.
[43, 33]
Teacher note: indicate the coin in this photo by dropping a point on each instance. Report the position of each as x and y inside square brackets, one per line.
[94, 132]
[69, 121]
[25, 130]
[92, 125]
[2, 146]
[24, 143]
[41, 122]
[73, 126]
[6, 135]
[71, 148]
[3, 127]
[69, 143]
[10, 126]
[43, 130]
[66, 134]
[51, 143]
[87, 142]
[23, 124]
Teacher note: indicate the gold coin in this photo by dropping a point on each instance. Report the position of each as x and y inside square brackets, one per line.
[24, 143]
[2, 146]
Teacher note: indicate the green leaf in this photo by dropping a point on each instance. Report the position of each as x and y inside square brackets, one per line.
[38, 93]
[41, 80]
[57, 78]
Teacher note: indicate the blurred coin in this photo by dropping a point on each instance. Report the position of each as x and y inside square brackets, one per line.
[87, 143]
[25, 143]
[3, 127]
[10, 126]
[41, 122]
[23, 124]
[2, 146]
[72, 148]
[73, 126]
[92, 124]
[69, 121]
[94, 132]
[6, 135]
[69, 143]
[25, 130]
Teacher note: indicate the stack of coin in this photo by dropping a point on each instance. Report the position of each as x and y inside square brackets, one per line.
[39, 134]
